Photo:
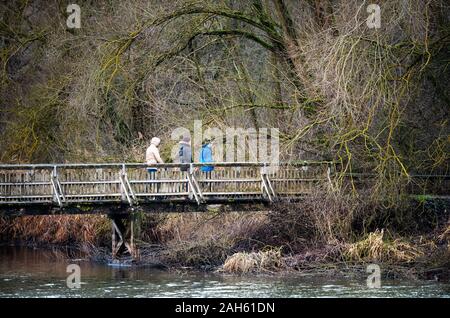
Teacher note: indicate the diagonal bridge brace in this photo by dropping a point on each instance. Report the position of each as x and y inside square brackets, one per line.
[266, 185]
[123, 237]
[194, 186]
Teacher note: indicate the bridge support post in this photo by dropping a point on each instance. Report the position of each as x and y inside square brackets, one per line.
[122, 236]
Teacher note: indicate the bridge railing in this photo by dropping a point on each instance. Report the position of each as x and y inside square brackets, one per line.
[130, 183]
[26, 184]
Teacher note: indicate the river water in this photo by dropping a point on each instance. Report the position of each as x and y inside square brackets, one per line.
[27, 272]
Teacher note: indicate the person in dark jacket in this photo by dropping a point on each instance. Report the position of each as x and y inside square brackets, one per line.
[185, 152]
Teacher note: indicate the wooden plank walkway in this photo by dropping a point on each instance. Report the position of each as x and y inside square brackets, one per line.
[67, 185]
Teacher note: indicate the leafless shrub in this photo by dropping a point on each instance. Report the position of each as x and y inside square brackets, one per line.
[320, 218]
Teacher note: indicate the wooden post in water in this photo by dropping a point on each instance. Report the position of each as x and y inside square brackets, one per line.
[122, 236]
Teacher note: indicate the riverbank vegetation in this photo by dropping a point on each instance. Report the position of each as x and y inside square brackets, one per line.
[371, 100]
[291, 237]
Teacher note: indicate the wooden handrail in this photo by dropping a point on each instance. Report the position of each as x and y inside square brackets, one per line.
[159, 165]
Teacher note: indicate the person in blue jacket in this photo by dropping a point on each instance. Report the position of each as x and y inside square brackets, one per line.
[206, 155]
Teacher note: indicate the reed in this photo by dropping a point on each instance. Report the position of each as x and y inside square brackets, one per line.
[57, 229]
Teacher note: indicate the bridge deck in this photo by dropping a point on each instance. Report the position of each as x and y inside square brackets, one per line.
[68, 185]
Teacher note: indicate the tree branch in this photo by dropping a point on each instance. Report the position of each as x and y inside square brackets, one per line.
[242, 33]
[269, 28]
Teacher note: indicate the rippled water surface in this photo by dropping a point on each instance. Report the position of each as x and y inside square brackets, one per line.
[26, 272]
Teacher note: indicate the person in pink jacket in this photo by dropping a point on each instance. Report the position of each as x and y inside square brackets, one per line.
[152, 154]
[152, 157]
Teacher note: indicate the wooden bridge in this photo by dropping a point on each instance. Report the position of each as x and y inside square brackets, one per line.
[44, 189]
[119, 189]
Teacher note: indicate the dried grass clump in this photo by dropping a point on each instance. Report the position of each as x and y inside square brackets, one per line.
[376, 248]
[262, 261]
